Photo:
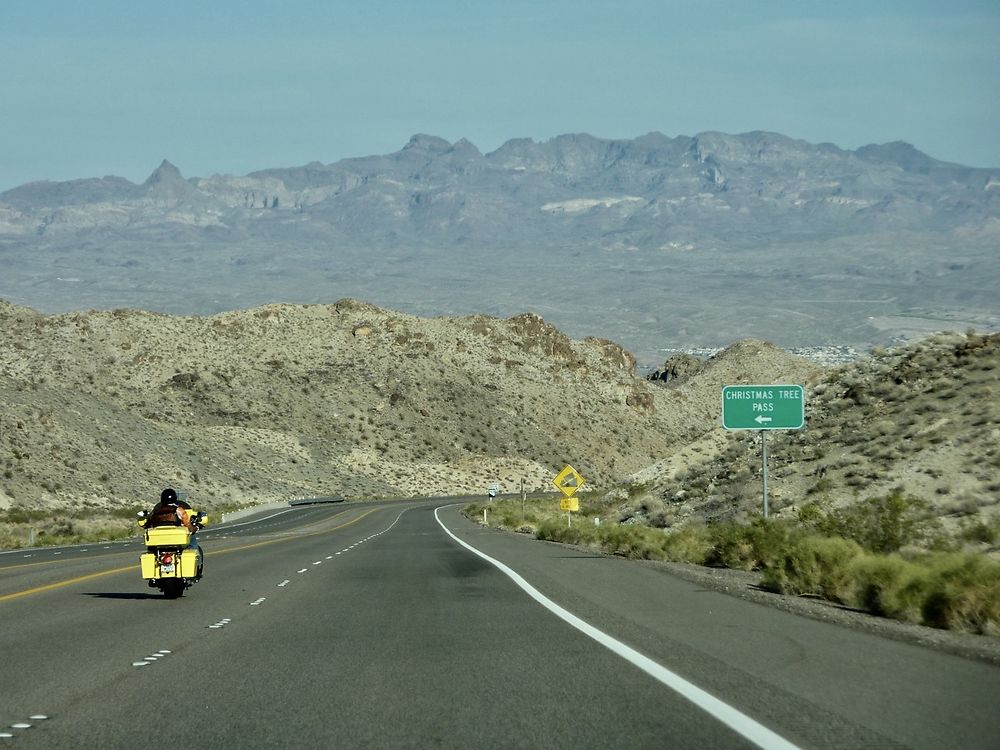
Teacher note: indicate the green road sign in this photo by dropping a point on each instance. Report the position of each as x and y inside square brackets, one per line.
[763, 407]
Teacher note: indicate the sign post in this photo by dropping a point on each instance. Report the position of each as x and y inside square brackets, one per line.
[568, 481]
[763, 407]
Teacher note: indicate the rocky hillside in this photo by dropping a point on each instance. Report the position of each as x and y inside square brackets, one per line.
[921, 420]
[103, 408]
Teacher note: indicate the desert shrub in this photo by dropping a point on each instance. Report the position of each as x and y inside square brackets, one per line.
[509, 519]
[809, 515]
[663, 518]
[881, 586]
[958, 592]
[752, 547]
[692, 544]
[730, 548]
[982, 531]
[881, 524]
[814, 565]
[823, 484]
[634, 541]
[556, 530]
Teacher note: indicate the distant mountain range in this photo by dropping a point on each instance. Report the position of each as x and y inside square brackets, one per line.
[655, 241]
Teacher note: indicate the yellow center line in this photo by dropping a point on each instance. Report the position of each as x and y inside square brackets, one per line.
[66, 560]
[99, 574]
[60, 584]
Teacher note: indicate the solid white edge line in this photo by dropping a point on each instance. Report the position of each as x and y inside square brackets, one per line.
[736, 720]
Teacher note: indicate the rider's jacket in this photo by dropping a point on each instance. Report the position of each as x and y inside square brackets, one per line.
[171, 514]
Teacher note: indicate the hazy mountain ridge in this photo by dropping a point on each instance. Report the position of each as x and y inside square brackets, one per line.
[424, 192]
[670, 242]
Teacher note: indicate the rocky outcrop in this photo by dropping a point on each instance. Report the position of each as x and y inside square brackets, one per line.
[677, 369]
[533, 334]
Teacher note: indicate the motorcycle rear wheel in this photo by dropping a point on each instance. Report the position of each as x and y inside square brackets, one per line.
[172, 588]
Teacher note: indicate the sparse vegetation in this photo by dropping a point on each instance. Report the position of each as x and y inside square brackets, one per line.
[19, 527]
[953, 590]
[879, 524]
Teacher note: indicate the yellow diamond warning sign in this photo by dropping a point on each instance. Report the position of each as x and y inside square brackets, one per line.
[568, 481]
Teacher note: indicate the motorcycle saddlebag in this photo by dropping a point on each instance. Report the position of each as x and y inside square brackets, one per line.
[148, 562]
[189, 563]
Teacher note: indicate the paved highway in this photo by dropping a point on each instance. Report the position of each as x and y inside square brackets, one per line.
[375, 626]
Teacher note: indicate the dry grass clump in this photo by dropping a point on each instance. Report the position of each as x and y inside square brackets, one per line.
[954, 591]
[813, 565]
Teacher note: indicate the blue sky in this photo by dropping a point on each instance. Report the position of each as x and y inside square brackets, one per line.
[101, 87]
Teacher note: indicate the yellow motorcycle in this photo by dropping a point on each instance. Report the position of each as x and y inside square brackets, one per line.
[173, 561]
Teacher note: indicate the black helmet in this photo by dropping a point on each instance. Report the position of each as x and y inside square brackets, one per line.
[168, 495]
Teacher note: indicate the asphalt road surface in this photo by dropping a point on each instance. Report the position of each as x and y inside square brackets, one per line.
[375, 626]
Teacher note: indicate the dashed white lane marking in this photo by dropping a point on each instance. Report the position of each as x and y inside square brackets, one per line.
[155, 656]
[254, 604]
[284, 583]
[221, 623]
[733, 718]
[23, 725]
[348, 549]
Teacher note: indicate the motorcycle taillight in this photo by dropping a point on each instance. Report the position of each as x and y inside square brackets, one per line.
[166, 558]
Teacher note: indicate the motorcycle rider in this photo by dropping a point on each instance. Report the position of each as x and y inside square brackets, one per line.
[172, 511]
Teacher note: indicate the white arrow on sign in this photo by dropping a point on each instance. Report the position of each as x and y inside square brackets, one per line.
[761, 420]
